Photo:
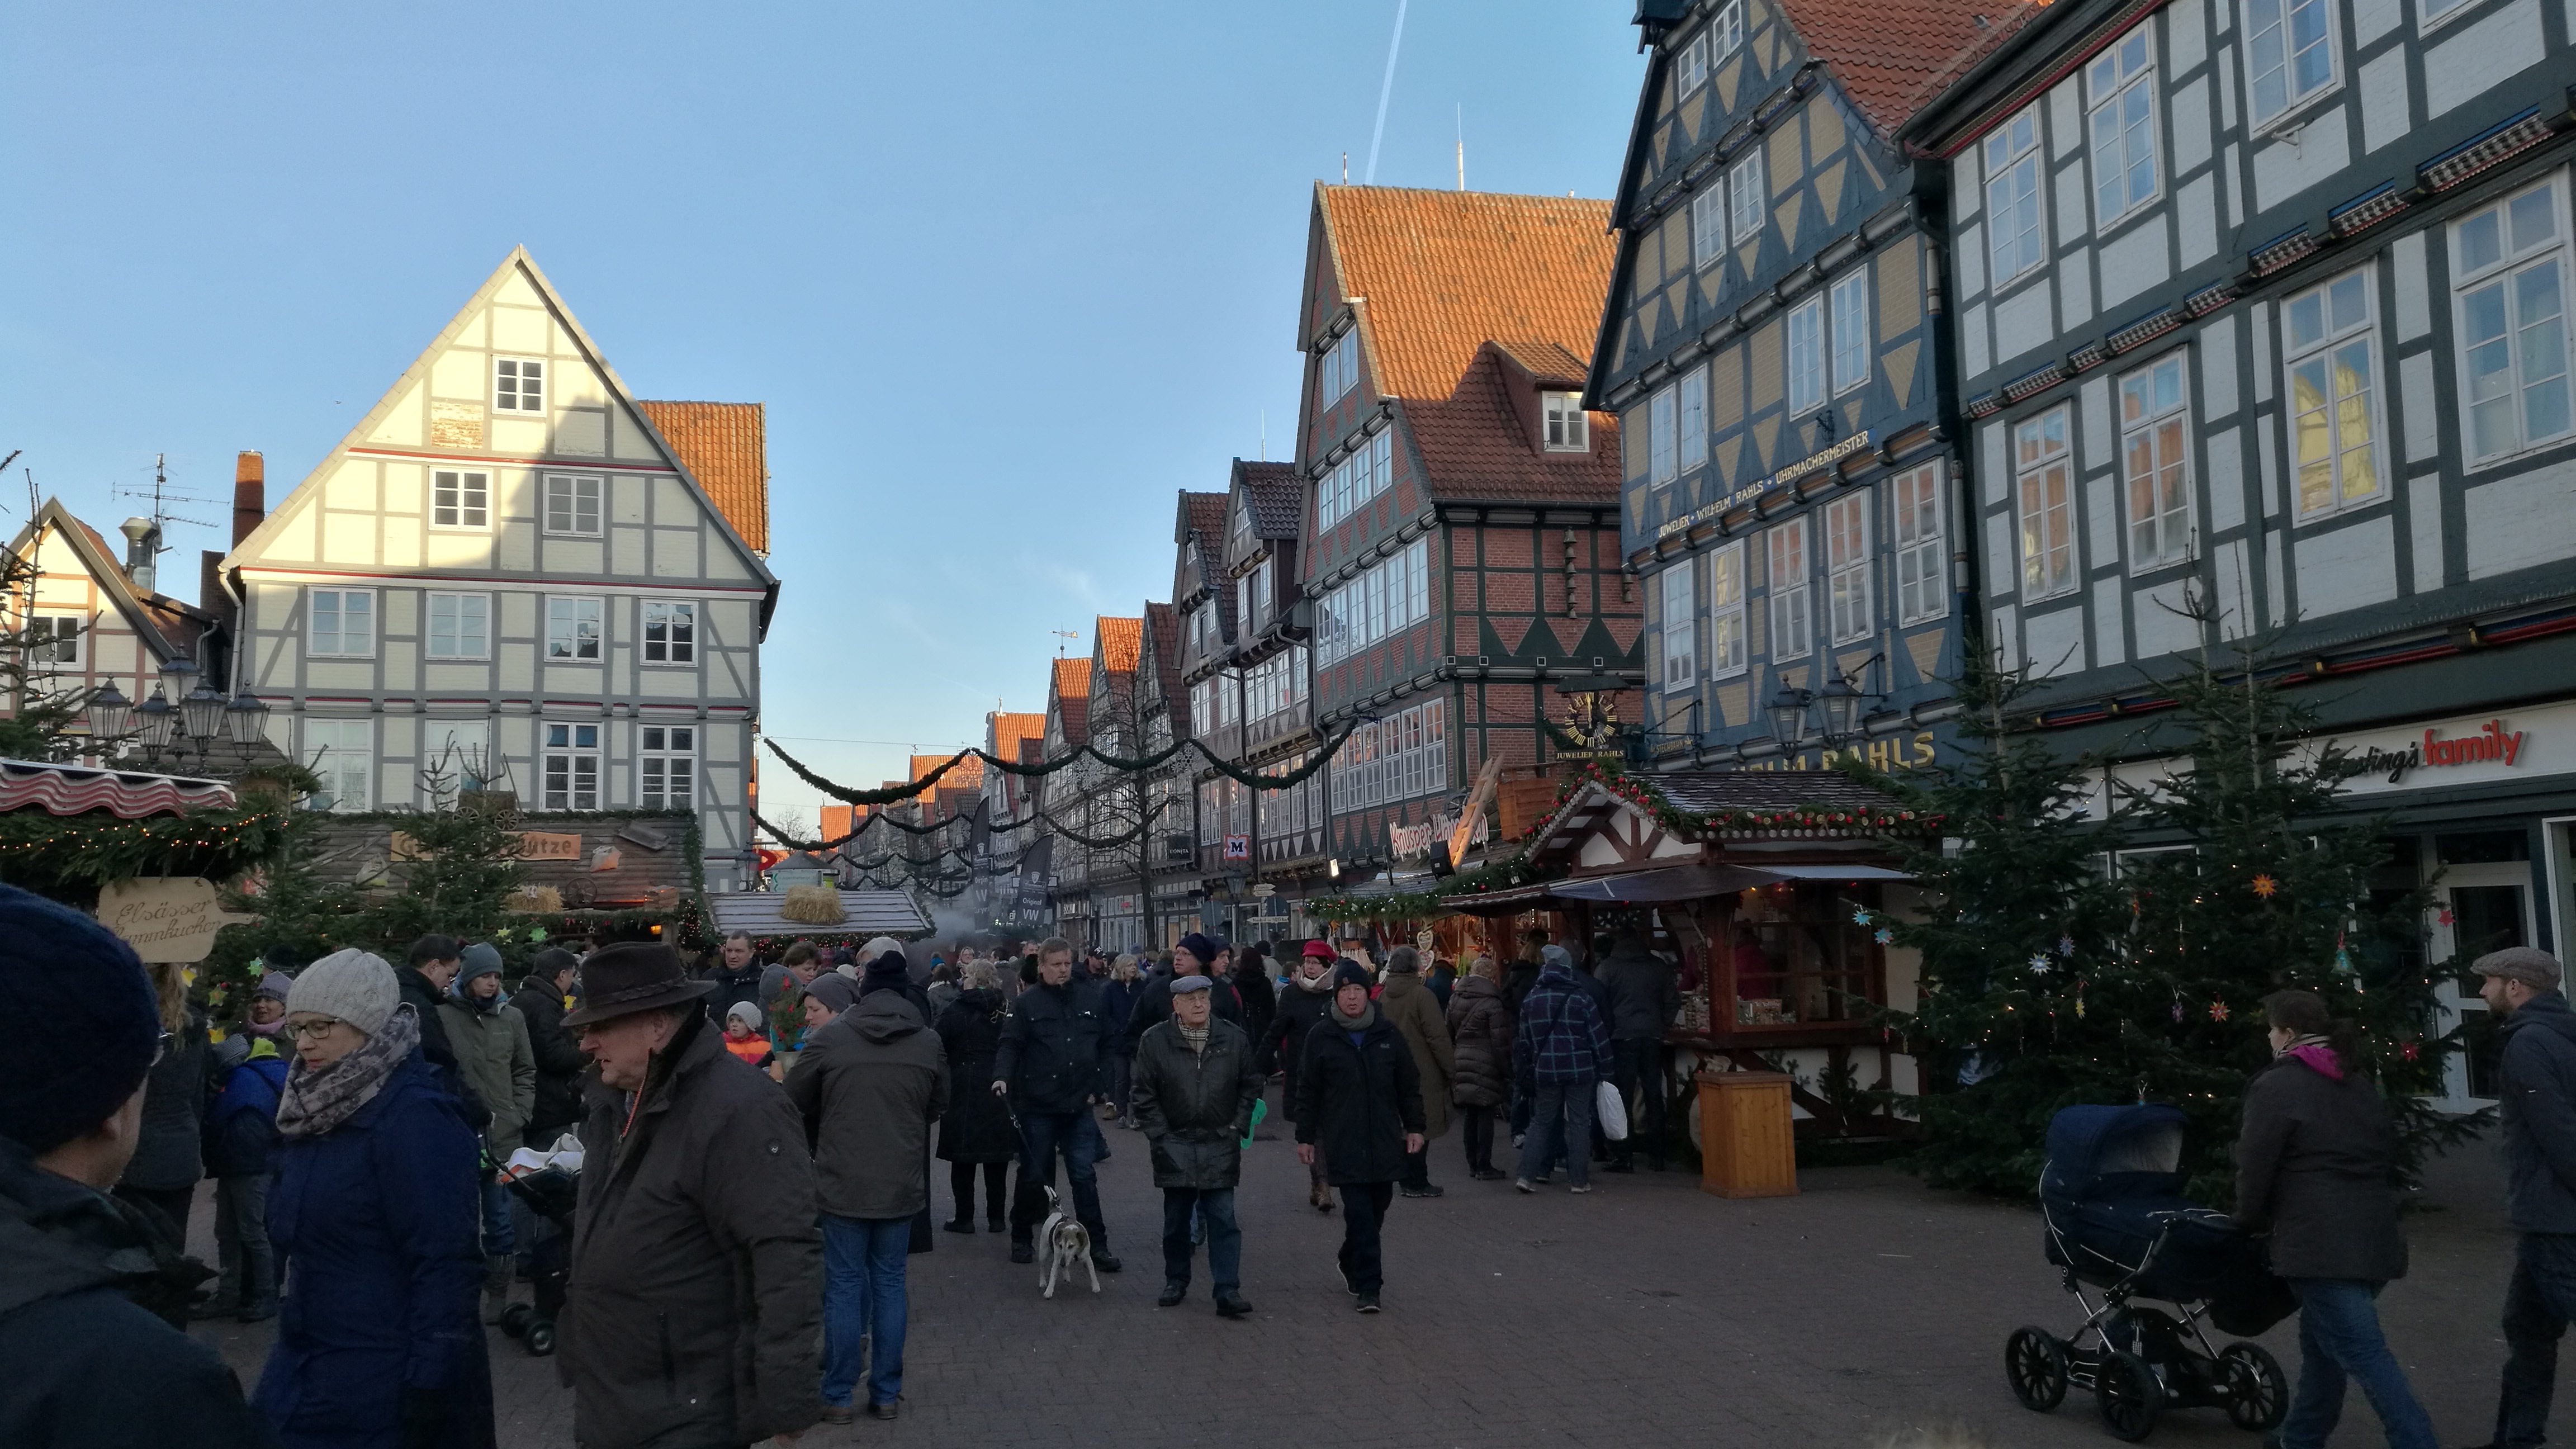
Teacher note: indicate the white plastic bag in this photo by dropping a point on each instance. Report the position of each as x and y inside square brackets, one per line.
[1610, 1109]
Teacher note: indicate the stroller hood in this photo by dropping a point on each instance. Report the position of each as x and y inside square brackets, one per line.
[2099, 1152]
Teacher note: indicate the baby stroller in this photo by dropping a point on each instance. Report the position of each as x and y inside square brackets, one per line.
[549, 1185]
[2116, 1221]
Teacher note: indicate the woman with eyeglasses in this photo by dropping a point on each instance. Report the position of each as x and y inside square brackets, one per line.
[375, 1215]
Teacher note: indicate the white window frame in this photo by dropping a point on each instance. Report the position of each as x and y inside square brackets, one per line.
[1922, 557]
[1337, 368]
[1850, 611]
[445, 747]
[2325, 355]
[2120, 91]
[326, 759]
[562, 781]
[2431, 15]
[2015, 192]
[1747, 208]
[1806, 349]
[1690, 68]
[516, 371]
[1793, 633]
[1694, 419]
[2044, 505]
[1677, 589]
[1726, 624]
[2510, 265]
[575, 610]
[1708, 225]
[1566, 426]
[2155, 451]
[470, 510]
[2281, 15]
[1725, 32]
[1851, 352]
[459, 607]
[1662, 427]
[48, 653]
[568, 488]
[666, 765]
[339, 647]
[675, 651]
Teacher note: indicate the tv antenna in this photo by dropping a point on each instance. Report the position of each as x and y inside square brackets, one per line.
[162, 496]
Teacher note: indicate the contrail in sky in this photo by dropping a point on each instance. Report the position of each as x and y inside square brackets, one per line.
[1385, 89]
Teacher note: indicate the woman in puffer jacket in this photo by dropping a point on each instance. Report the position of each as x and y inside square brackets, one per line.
[1480, 1028]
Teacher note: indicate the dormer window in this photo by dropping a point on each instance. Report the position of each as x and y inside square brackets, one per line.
[1568, 431]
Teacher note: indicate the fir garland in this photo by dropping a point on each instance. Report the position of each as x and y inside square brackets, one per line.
[70, 857]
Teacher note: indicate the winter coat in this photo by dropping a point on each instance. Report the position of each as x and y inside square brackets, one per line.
[1643, 996]
[873, 1082]
[425, 1001]
[241, 1128]
[697, 1260]
[1357, 1101]
[1259, 995]
[1054, 1052]
[1409, 1004]
[732, 986]
[167, 1151]
[903, 986]
[941, 995]
[1195, 1108]
[1118, 1007]
[559, 1066]
[376, 1221]
[1154, 1007]
[2539, 1111]
[1480, 1031]
[977, 1127]
[1283, 1047]
[1443, 981]
[1517, 982]
[2316, 1163]
[88, 1367]
[495, 1058]
[1561, 1037]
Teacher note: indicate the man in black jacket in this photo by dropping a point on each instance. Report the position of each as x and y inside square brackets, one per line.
[2538, 1105]
[1194, 1089]
[1195, 956]
[1643, 1002]
[431, 966]
[1308, 999]
[736, 977]
[1359, 1098]
[1054, 1066]
[540, 1000]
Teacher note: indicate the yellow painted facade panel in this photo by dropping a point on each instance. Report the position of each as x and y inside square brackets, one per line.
[1764, 365]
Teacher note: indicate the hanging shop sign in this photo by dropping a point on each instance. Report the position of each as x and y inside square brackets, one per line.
[166, 919]
[1238, 847]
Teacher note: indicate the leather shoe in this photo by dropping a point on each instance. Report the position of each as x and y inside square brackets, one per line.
[1024, 1253]
[1172, 1295]
[1487, 1174]
[1428, 1189]
[886, 1410]
[1105, 1261]
[1232, 1305]
[839, 1414]
[959, 1225]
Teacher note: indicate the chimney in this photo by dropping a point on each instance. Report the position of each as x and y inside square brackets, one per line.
[142, 546]
[250, 494]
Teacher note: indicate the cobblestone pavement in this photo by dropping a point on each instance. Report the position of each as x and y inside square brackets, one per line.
[1645, 1314]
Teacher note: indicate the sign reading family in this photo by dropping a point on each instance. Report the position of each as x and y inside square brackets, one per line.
[1746, 492]
[2489, 744]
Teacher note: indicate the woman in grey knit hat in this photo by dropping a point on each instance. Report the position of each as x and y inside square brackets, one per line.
[374, 1213]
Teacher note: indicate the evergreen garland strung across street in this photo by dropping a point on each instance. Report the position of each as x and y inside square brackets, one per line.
[69, 857]
[895, 794]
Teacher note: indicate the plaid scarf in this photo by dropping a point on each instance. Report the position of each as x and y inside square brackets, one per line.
[318, 1099]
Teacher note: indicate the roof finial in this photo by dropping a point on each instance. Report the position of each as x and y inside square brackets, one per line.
[1462, 146]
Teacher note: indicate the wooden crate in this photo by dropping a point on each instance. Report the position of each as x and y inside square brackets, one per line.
[1746, 1149]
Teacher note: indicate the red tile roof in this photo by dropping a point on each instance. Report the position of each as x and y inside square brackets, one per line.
[1164, 623]
[1118, 642]
[1069, 693]
[1893, 59]
[725, 446]
[1477, 446]
[1009, 729]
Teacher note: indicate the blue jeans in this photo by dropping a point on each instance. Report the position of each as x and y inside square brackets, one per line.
[1181, 1205]
[863, 1298]
[1560, 1124]
[2338, 1338]
[1076, 1135]
[2537, 1307]
[500, 1237]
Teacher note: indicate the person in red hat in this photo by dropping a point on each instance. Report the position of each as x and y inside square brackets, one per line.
[697, 1259]
[1308, 997]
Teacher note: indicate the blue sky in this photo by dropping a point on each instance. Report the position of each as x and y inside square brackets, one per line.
[1006, 275]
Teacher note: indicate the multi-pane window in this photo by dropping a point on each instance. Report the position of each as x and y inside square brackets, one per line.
[1847, 568]
[1569, 429]
[1691, 70]
[572, 504]
[1340, 367]
[1366, 473]
[1791, 628]
[666, 767]
[1745, 204]
[1694, 419]
[460, 626]
[2121, 84]
[1922, 573]
[670, 632]
[1661, 426]
[2289, 52]
[455, 754]
[568, 768]
[1392, 596]
[2155, 463]
[2043, 473]
[518, 385]
[2013, 240]
[1807, 356]
[2510, 262]
[2332, 354]
[1851, 331]
[53, 641]
[340, 622]
[343, 753]
[1708, 224]
[1397, 758]
[1726, 610]
[1681, 627]
[459, 499]
[1726, 31]
[572, 628]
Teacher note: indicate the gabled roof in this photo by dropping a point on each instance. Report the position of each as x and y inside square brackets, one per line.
[1550, 364]
[1009, 729]
[1477, 446]
[1892, 60]
[1118, 642]
[164, 624]
[727, 446]
[1277, 496]
[1069, 695]
[1163, 627]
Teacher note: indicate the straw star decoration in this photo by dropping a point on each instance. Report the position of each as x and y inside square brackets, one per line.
[2041, 963]
[2266, 887]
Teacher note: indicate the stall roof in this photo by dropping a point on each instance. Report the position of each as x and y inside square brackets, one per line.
[1667, 883]
[889, 913]
[126, 794]
[1710, 792]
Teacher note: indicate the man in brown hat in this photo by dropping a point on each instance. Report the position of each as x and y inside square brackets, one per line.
[697, 1265]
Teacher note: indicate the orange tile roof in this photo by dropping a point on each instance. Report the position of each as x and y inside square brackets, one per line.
[1120, 641]
[1476, 445]
[1445, 272]
[1009, 729]
[1892, 60]
[725, 446]
[1069, 690]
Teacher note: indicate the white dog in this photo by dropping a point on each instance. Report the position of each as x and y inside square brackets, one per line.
[1068, 1243]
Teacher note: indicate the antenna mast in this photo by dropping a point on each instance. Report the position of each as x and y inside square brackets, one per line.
[1462, 146]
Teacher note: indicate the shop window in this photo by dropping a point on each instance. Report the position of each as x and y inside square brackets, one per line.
[2482, 847]
[1795, 957]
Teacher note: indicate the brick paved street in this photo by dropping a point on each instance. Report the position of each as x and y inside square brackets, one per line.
[1647, 1314]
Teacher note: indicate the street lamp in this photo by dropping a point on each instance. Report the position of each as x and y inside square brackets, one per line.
[246, 719]
[108, 713]
[1841, 709]
[1788, 710]
[156, 719]
[201, 715]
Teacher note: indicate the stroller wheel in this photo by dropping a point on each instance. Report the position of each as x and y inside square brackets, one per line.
[541, 1338]
[2127, 1392]
[2258, 1397]
[2035, 1366]
[515, 1319]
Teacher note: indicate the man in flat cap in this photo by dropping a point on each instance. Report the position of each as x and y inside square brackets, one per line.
[2538, 1104]
[697, 1262]
[1195, 1084]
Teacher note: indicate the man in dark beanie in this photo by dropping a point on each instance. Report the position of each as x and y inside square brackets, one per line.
[1359, 1098]
[891, 971]
[86, 1365]
[1195, 956]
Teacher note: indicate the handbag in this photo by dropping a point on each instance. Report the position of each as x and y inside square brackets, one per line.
[1610, 1109]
